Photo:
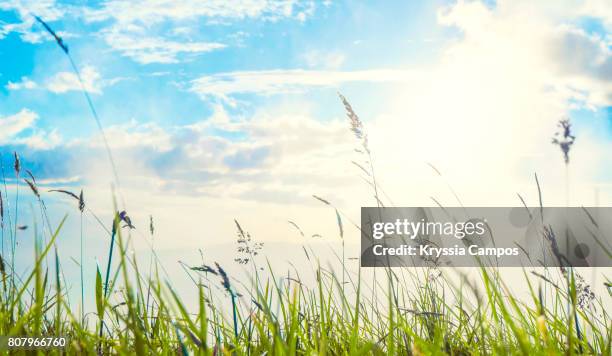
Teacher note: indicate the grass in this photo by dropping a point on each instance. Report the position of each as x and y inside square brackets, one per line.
[414, 311]
[405, 311]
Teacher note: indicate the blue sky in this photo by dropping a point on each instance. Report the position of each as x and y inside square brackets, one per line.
[234, 103]
[135, 75]
[342, 35]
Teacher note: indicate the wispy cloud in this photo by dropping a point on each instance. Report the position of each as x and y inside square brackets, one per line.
[552, 47]
[11, 126]
[155, 11]
[24, 83]
[25, 10]
[202, 159]
[68, 81]
[63, 82]
[40, 140]
[145, 49]
[130, 135]
[223, 85]
[138, 28]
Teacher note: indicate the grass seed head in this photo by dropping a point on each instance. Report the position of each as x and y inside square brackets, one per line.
[204, 268]
[33, 187]
[564, 138]
[60, 42]
[225, 282]
[81, 202]
[65, 192]
[17, 164]
[355, 122]
[584, 294]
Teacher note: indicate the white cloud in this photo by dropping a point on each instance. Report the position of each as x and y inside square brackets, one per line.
[545, 43]
[150, 12]
[201, 159]
[29, 30]
[130, 135]
[275, 161]
[321, 59]
[484, 114]
[223, 85]
[11, 126]
[40, 140]
[138, 27]
[146, 49]
[64, 82]
[68, 81]
[25, 83]
[48, 9]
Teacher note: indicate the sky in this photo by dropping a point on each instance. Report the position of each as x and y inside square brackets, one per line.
[218, 110]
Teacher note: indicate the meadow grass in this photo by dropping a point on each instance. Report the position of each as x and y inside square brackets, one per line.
[414, 311]
[408, 311]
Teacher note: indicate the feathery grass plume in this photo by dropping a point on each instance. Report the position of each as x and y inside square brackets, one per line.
[564, 138]
[584, 294]
[245, 249]
[356, 124]
[358, 130]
